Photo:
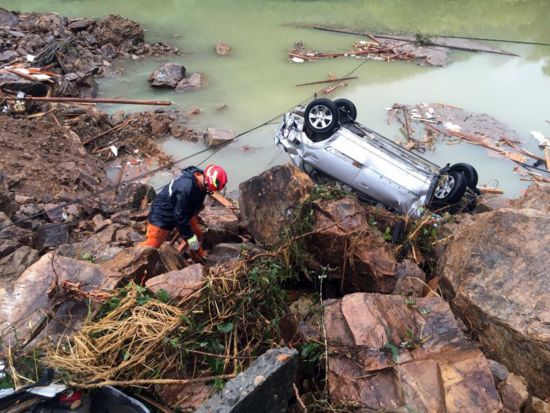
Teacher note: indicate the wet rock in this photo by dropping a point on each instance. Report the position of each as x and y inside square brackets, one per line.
[230, 252]
[390, 353]
[167, 75]
[136, 264]
[514, 394]
[50, 236]
[7, 247]
[499, 371]
[10, 82]
[489, 202]
[221, 225]
[266, 386]
[184, 397]
[13, 232]
[539, 406]
[410, 279]
[495, 273]
[7, 204]
[267, 201]
[8, 19]
[171, 258]
[306, 313]
[179, 284]
[222, 49]
[24, 302]
[24, 199]
[81, 24]
[215, 137]
[343, 239]
[8, 56]
[92, 249]
[536, 197]
[16, 262]
[193, 82]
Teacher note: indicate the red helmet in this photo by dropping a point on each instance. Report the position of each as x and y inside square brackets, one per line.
[215, 177]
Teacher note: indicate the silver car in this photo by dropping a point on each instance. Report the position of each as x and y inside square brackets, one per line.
[324, 139]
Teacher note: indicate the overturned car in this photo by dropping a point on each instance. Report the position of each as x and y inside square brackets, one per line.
[325, 140]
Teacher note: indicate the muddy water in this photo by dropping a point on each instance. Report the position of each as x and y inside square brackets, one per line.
[257, 82]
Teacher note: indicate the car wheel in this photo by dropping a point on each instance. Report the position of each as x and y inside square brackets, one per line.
[468, 171]
[321, 116]
[451, 188]
[346, 110]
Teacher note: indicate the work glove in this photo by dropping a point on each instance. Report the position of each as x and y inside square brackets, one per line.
[193, 243]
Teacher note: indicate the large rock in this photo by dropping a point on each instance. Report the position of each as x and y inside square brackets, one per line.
[50, 235]
[266, 386]
[25, 302]
[179, 284]
[495, 273]
[136, 264]
[167, 75]
[343, 238]
[184, 397]
[226, 253]
[15, 263]
[267, 201]
[193, 82]
[215, 137]
[536, 197]
[221, 225]
[170, 257]
[411, 280]
[7, 19]
[12, 232]
[388, 353]
[514, 394]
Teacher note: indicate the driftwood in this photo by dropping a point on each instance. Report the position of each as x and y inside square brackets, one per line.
[113, 129]
[94, 100]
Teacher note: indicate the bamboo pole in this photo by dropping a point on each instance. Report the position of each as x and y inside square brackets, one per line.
[94, 100]
[328, 81]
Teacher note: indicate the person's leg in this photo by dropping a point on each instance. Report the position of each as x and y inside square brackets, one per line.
[155, 236]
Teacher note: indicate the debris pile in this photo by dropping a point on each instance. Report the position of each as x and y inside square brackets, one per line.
[439, 121]
[52, 52]
[420, 49]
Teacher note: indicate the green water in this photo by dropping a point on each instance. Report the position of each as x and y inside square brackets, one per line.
[257, 82]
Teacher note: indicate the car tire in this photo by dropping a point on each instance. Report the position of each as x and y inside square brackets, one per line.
[452, 189]
[321, 116]
[468, 171]
[346, 110]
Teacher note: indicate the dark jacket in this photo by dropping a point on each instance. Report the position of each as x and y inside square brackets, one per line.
[178, 202]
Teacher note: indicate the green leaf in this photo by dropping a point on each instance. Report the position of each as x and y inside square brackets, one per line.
[226, 327]
[394, 351]
[163, 296]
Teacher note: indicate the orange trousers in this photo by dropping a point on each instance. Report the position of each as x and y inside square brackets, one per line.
[156, 236]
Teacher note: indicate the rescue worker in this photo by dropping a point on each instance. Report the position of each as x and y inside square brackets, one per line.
[178, 203]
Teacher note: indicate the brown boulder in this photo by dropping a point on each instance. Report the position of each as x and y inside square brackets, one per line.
[171, 258]
[536, 197]
[15, 263]
[267, 201]
[514, 394]
[411, 280]
[193, 82]
[184, 397]
[343, 238]
[135, 264]
[221, 225]
[388, 352]
[179, 284]
[24, 302]
[215, 137]
[495, 273]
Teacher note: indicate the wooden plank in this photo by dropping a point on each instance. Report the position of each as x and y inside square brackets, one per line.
[490, 190]
[328, 81]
